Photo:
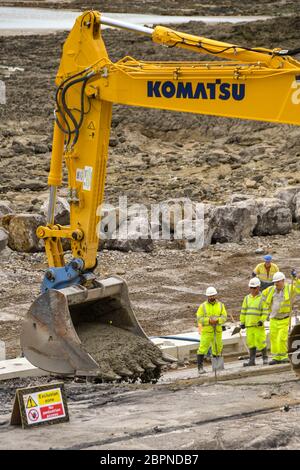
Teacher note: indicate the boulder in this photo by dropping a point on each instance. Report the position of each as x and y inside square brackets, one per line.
[62, 211]
[233, 222]
[289, 195]
[21, 232]
[176, 210]
[296, 213]
[274, 217]
[192, 233]
[110, 219]
[5, 208]
[131, 235]
[3, 239]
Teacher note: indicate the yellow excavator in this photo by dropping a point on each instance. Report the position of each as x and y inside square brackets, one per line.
[81, 325]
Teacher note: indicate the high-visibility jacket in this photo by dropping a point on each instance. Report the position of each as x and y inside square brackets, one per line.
[285, 307]
[262, 274]
[253, 310]
[208, 310]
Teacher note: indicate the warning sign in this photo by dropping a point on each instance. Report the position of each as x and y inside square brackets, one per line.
[33, 415]
[79, 174]
[91, 126]
[41, 404]
[30, 403]
[53, 411]
[91, 130]
[87, 178]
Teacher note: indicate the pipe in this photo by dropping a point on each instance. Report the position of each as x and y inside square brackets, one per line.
[51, 207]
[125, 25]
[194, 340]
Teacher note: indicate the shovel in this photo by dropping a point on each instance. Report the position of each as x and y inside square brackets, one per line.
[217, 362]
[236, 330]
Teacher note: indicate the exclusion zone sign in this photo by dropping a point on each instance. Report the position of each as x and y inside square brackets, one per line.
[40, 404]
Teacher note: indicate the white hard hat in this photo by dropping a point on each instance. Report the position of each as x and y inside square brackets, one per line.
[278, 277]
[254, 282]
[210, 291]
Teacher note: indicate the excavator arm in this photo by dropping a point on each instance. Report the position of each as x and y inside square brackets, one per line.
[257, 84]
[260, 84]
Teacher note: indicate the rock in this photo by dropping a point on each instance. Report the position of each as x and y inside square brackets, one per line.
[40, 148]
[176, 210]
[251, 184]
[192, 233]
[21, 232]
[236, 197]
[131, 235]
[266, 395]
[259, 251]
[33, 185]
[110, 217]
[18, 146]
[274, 217]
[62, 211]
[296, 212]
[138, 244]
[234, 222]
[113, 142]
[5, 208]
[3, 239]
[289, 195]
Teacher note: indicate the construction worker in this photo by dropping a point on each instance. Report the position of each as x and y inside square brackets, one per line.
[211, 315]
[265, 272]
[279, 301]
[253, 315]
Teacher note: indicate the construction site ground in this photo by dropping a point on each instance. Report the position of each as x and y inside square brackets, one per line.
[167, 285]
[256, 412]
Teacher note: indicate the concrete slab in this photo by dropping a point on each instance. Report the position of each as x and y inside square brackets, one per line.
[184, 346]
[19, 367]
[177, 346]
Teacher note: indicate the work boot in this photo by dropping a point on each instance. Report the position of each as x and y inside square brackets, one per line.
[283, 361]
[251, 361]
[200, 358]
[265, 359]
[274, 362]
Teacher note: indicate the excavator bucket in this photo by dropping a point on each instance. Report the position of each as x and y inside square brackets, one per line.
[79, 331]
[294, 348]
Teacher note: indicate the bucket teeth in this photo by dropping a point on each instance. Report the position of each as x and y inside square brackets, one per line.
[124, 372]
[150, 366]
[168, 358]
[109, 376]
[159, 362]
[138, 369]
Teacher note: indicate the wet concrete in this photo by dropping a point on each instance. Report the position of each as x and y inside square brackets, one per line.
[118, 350]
